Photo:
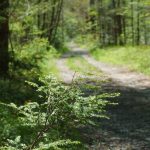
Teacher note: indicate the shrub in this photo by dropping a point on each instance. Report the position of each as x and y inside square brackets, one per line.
[28, 56]
[51, 121]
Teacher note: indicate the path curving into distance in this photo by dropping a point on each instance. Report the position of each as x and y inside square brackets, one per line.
[122, 76]
[129, 124]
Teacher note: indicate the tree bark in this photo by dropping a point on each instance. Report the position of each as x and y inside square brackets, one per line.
[138, 24]
[132, 22]
[4, 35]
[92, 17]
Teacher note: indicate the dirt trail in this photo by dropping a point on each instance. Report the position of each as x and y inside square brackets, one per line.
[129, 124]
[122, 76]
[66, 74]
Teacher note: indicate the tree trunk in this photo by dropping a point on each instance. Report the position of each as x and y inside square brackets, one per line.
[52, 22]
[93, 17]
[4, 35]
[145, 32]
[119, 19]
[115, 33]
[58, 17]
[39, 17]
[124, 19]
[138, 24]
[132, 21]
[124, 30]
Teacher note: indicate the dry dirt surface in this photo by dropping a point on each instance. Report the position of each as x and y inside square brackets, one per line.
[129, 125]
[122, 76]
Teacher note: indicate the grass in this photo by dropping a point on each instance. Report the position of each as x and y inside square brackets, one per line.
[48, 66]
[135, 58]
[80, 65]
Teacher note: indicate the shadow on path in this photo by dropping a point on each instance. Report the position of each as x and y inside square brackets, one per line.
[129, 125]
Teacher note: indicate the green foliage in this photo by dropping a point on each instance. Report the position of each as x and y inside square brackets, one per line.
[15, 91]
[60, 110]
[58, 145]
[28, 55]
[74, 18]
[111, 22]
[26, 58]
[28, 62]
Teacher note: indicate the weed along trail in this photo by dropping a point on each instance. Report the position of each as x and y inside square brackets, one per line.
[66, 74]
[129, 125]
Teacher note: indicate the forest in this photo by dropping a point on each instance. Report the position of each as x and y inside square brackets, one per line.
[74, 75]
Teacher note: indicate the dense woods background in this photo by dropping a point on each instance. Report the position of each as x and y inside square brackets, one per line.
[32, 34]
[112, 22]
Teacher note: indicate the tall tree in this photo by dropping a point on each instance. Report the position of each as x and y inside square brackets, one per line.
[55, 19]
[138, 23]
[132, 21]
[4, 35]
[92, 15]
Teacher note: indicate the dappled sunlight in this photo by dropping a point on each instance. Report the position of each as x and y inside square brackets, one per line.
[74, 75]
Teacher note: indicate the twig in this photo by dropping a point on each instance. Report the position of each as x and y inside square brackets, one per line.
[38, 137]
[73, 77]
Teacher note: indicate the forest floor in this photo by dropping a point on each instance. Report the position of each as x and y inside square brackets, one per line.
[129, 125]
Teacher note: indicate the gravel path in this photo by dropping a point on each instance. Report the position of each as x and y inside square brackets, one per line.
[129, 124]
[122, 76]
[66, 74]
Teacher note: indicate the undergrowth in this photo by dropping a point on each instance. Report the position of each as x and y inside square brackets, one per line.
[32, 59]
[51, 122]
[44, 113]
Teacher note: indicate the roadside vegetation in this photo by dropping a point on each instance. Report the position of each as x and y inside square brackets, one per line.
[37, 110]
[81, 66]
[135, 58]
